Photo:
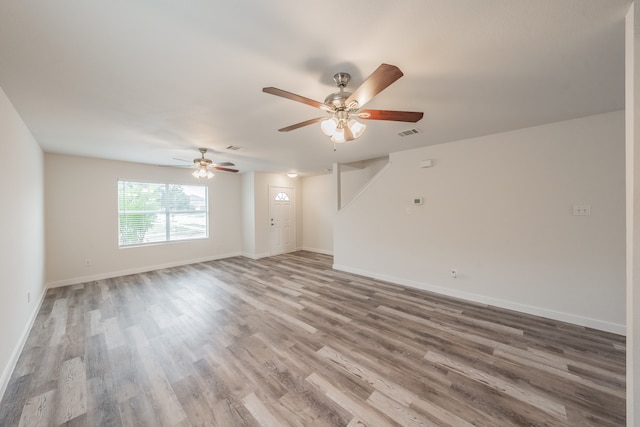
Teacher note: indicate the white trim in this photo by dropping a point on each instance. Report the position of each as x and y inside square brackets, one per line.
[256, 256]
[111, 274]
[13, 360]
[509, 305]
[319, 251]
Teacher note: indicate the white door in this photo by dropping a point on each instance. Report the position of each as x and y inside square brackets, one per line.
[282, 220]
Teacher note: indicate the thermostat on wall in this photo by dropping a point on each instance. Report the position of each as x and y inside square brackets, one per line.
[416, 201]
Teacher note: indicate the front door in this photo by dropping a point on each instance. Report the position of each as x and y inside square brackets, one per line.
[282, 220]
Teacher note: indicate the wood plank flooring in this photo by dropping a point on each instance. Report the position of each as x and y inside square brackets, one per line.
[287, 341]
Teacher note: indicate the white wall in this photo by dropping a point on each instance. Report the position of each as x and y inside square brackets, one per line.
[22, 231]
[317, 213]
[499, 210]
[81, 220]
[248, 215]
[632, 103]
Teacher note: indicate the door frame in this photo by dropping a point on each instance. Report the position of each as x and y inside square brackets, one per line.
[293, 216]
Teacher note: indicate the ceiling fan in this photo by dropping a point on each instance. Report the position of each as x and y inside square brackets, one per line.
[204, 166]
[344, 107]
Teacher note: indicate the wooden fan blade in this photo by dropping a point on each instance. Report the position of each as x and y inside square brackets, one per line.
[219, 168]
[224, 164]
[381, 78]
[302, 124]
[292, 96]
[396, 116]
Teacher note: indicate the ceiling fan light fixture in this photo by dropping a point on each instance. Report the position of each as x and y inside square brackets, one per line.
[335, 129]
[329, 126]
[202, 172]
[357, 128]
[205, 167]
[343, 105]
[338, 136]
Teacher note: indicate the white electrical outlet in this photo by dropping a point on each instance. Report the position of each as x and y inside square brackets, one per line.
[87, 262]
[581, 210]
[454, 273]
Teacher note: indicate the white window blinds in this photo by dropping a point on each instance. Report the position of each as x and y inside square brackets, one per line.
[153, 213]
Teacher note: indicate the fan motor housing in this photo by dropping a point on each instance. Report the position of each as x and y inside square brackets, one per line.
[337, 99]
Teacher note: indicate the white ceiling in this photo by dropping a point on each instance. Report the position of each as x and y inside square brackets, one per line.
[150, 80]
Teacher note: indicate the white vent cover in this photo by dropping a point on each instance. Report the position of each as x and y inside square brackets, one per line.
[409, 132]
[233, 148]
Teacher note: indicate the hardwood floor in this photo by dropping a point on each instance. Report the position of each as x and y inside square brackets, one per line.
[286, 341]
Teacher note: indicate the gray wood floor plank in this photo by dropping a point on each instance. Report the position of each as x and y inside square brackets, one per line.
[38, 410]
[71, 396]
[102, 404]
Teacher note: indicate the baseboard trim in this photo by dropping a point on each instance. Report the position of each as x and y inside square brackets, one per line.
[496, 302]
[13, 360]
[316, 250]
[255, 256]
[111, 274]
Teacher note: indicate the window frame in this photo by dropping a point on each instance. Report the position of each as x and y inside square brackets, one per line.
[164, 211]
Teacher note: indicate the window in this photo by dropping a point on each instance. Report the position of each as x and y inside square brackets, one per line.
[280, 197]
[152, 212]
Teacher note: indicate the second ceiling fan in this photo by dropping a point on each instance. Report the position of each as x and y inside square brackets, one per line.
[344, 107]
[204, 166]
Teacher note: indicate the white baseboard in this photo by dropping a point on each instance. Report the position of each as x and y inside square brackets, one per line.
[303, 248]
[15, 355]
[255, 256]
[316, 250]
[496, 302]
[137, 270]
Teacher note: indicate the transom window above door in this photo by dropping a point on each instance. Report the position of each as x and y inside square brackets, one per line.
[282, 197]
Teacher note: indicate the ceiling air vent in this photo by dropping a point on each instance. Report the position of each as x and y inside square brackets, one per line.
[233, 148]
[409, 132]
